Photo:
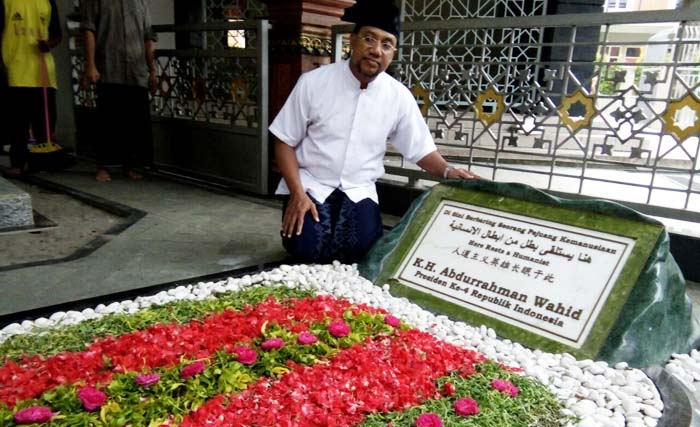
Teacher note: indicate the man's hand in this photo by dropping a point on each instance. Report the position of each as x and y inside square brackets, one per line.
[152, 81]
[91, 76]
[436, 165]
[44, 46]
[297, 206]
[460, 173]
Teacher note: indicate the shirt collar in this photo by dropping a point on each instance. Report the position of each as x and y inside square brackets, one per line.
[352, 80]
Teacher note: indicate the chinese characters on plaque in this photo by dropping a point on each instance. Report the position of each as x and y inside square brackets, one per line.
[548, 278]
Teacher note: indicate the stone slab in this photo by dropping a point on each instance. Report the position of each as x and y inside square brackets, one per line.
[587, 277]
[15, 206]
[680, 406]
[41, 223]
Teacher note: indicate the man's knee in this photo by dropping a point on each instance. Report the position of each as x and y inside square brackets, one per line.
[354, 251]
[310, 245]
[369, 239]
[298, 247]
[371, 228]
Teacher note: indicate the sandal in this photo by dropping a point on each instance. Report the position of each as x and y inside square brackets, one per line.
[13, 173]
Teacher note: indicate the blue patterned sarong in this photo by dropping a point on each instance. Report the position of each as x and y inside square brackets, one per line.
[346, 231]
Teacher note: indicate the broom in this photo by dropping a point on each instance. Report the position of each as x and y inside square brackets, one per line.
[48, 156]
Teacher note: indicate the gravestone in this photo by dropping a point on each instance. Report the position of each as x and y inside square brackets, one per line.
[575, 276]
[15, 207]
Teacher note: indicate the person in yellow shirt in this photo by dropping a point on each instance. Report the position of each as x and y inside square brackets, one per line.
[30, 30]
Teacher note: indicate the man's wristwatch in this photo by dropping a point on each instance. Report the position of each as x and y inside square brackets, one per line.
[447, 172]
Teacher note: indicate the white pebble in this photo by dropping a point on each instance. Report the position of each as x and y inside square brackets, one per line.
[584, 408]
[651, 411]
[42, 322]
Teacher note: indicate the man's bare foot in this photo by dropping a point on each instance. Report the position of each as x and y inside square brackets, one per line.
[102, 175]
[133, 174]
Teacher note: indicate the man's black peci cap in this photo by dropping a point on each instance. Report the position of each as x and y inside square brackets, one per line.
[382, 14]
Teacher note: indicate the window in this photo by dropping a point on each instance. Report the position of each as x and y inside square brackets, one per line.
[617, 4]
[236, 38]
[614, 51]
[633, 52]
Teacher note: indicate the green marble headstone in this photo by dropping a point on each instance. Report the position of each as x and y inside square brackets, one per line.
[587, 277]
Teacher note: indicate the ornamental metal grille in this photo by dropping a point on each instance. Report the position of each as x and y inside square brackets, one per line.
[212, 90]
[217, 86]
[421, 10]
[602, 110]
[229, 11]
[221, 10]
[83, 95]
[463, 45]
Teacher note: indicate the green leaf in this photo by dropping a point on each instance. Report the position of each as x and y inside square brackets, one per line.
[47, 342]
[534, 406]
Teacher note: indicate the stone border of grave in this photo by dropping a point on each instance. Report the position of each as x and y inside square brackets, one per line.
[15, 207]
[41, 223]
[680, 406]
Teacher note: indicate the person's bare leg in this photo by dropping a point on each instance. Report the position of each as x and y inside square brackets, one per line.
[102, 175]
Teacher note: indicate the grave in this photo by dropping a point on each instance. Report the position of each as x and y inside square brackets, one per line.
[587, 277]
[15, 207]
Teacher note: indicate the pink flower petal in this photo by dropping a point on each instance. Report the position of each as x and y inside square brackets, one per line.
[34, 414]
[392, 321]
[428, 420]
[246, 355]
[505, 387]
[272, 343]
[466, 406]
[339, 329]
[192, 369]
[147, 380]
[306, 338]
[91, 398]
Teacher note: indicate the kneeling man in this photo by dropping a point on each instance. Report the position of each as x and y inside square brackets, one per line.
[331, 136]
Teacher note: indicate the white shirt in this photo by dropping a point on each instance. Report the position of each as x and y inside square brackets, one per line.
[340, 131]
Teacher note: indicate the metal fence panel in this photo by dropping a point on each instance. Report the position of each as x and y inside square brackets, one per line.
[210, 107]
[603, 105]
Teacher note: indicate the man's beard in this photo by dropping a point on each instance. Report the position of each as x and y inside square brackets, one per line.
[368, 70]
